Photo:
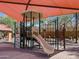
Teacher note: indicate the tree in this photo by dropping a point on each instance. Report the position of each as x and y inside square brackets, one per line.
[7, 21]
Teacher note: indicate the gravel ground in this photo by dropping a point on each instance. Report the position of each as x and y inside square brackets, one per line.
[8, 52]
[71, 52]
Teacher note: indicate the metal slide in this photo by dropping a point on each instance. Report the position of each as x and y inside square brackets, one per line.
[46, 47]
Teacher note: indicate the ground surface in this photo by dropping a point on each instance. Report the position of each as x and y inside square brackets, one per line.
[71, 52]
[8, 52]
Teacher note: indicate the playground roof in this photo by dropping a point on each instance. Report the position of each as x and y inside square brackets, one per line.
[14, 8]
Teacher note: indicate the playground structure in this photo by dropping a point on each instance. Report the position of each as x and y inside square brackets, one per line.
[32, 36]
[52, 34]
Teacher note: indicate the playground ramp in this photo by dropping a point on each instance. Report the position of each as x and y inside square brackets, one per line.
[46, 47]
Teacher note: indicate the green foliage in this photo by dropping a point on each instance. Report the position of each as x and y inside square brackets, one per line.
[65, 19]
[7, 21]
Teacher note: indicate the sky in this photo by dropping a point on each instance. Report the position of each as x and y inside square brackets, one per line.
[2, 14]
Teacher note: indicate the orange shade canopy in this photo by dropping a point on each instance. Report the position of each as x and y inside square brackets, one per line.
[14, 8]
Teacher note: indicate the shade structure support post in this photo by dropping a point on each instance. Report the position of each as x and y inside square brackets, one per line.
[64, 42]
[57, 34]
[31, 24]
[14, 34]
[26, 30]
[54, 32]
[21, 34]
[76, 17]
[21, 38]
[39, 26]
[33, 21]
[39, 23]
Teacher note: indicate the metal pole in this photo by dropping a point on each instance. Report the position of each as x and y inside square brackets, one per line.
[21, 34]
[64, 36]
[24, 31]
[14, 34]
[57, 34]
[39, 24]
[31, 23]
[76, 27]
